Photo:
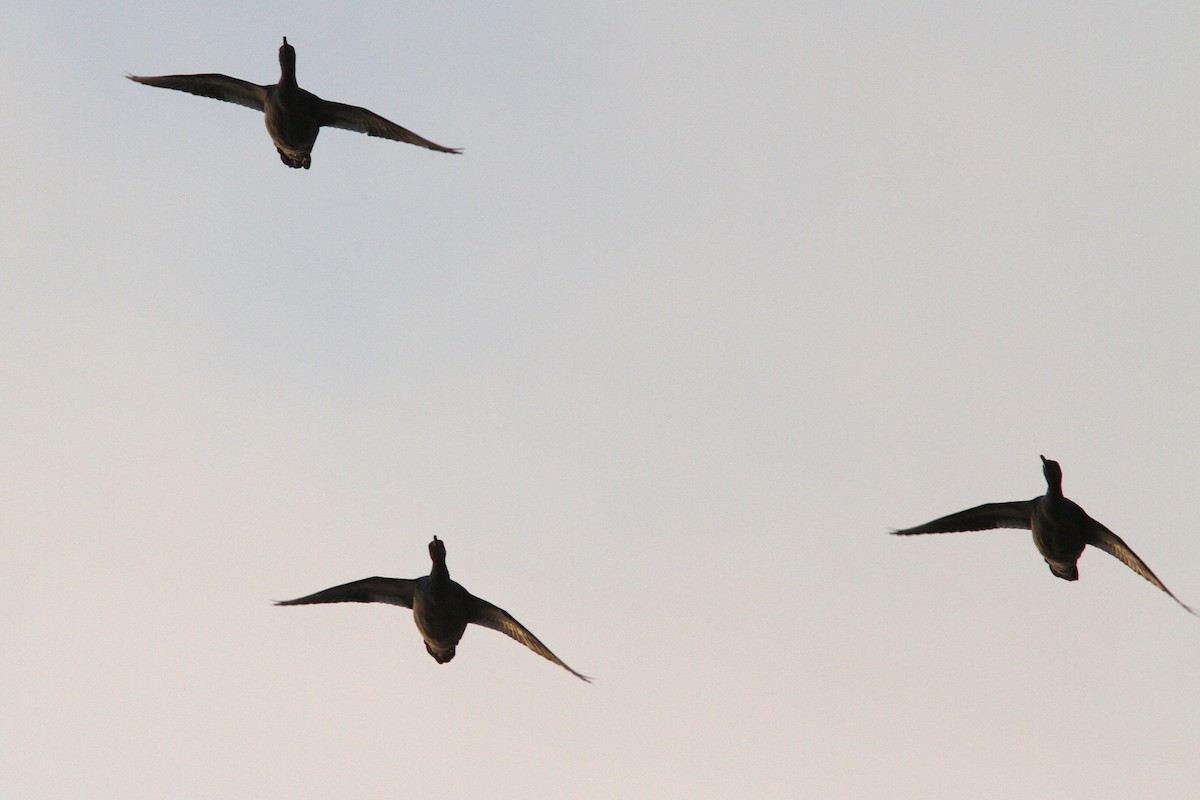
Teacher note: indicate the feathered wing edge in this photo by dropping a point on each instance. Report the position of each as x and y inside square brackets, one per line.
[1102, 538]
[496, 618]
[218, 87]
[362, 120]
[396, 591]
[1018, 514]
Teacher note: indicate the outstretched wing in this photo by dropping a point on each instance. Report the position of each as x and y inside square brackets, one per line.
[1104, 539]
[397, 591]
[361, 120]
[989, 515]
[490, 616]
[218, 87]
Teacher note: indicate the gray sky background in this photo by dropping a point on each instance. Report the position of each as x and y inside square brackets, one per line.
[714, 299]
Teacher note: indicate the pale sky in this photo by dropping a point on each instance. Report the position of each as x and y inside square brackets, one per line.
[713, 300]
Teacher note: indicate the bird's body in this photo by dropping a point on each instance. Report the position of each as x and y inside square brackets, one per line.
[1061, 529]
[293, 116]
[1060, 532]
[441, 608]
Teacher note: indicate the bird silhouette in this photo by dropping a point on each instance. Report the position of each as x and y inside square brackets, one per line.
[441, 608]
[293, 116]
[1061, 529]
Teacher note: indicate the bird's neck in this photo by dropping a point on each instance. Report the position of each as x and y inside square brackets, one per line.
[439, 575]
[287, 77]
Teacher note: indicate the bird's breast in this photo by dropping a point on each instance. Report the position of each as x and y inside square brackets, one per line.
[441, 620]
[1058, 531]
[292, 126]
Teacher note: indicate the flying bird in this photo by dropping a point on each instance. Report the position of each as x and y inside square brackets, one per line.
[1061, 529]
[441, 608]
[294, 116]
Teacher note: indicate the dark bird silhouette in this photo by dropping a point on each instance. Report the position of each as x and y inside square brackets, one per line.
[1061, 529]
[294, 116]
[441, 608]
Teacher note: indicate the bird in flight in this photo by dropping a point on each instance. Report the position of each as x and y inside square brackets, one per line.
[1061, 529]
[441, 608]
[294, 116]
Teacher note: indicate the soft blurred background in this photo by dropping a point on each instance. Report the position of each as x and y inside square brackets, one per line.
[716, 296]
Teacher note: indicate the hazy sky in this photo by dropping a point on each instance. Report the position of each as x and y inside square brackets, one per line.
[713, 300]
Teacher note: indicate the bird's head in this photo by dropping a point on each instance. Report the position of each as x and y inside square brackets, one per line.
[287, 55]
[437, 551]
[1052, 471]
